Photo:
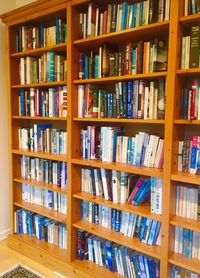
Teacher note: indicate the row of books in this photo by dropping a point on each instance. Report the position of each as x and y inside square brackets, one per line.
[117, 17]
[130, 225]
[115, 257]
[49, 67]
[46, 171]
[191, 7]
[190, 49]
[109, 144]
[121, 187]
[177, 272]
[43, 103]
[189, 156]
[138, 99]
[143, 57]
[43, 138]
[187, 243]
[31, 37]
[190, 102]
[188, 201]
[43, 228]
[44, 197]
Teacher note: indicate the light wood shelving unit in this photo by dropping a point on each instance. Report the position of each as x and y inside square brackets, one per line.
[172, 128]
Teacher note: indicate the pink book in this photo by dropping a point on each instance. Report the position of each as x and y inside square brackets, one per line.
[138, 185]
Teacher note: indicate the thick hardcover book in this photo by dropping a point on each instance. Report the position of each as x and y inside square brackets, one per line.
[194, 46]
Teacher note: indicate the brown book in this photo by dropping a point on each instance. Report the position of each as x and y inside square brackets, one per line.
[194, 47]
[56, 234]
[105, 20]
[105, 61]
[139, 57]
[160, 61]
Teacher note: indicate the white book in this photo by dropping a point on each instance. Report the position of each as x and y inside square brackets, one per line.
[187, 52]
[177, 199]
[81, 91]
[135, 150]
[180, 240]
[158, 153]
[149, 151]
[167, 9]
[97, 22]
[154, 150]
[85, 25]
[180, 150]
[158, 195]
[176, 240]
[151, 100]
[198, 104]
[186, 8]
[148, 224]
[22, 71]
[185, 192]
[105, 184]
[89, 20]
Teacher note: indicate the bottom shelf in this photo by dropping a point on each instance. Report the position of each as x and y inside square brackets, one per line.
[45, 246]
[190, 264]
[132, 243]
[94, 269]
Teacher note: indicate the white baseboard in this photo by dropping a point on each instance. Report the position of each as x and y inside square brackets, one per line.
[4, 234]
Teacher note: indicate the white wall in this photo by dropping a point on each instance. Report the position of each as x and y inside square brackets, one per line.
[20, 3]
[4, 165]
[5, 6]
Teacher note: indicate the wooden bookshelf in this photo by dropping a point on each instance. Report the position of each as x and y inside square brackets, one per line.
[172, 129]
[190, 264]
[185, 223]
[42, 185]
[119, 167]
[133, 243]
[120, 78]
[143, 210]
[35, 52]
[60, 217]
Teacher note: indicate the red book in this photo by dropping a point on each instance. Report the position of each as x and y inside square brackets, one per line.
[193, 100]
[138, 185]
[105, 19]
[29, 38]
[128, 59]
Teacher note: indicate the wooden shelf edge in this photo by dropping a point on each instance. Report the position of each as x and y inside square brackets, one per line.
[119, 167]
[39, 50]
[185, 177]
[36, 85]
[40, 118]
[56, 157]
[116, 120]
[133, 243]
[185, 223]
[143, 210]
[42, 185]
[93, 270]
[82, 42]
[42, 245]
[189, 18]
[122, 78]
[57, 216]
[190, 264]
[188, 71]
[187, 122]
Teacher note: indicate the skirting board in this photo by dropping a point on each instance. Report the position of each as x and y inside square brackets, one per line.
[4, 234]
[45, 258]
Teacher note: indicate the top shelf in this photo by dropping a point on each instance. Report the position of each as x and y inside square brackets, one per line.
[135, 34]
[61, 47]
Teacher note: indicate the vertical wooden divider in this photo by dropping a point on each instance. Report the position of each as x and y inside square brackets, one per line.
[168, 147]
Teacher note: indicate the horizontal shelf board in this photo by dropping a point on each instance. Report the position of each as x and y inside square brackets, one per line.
[189, 19]
[40, 118]
[185, 223]
[37, 85]
[57, 157]
[41, 185]
[185, 72]
[187, 122]
[190, 264]
[34, 52]
[119, 167]
[43, 245]
[57, 216]
[96, 270]
[125, 35]
[185, 177]
[133, 243]
[143, 210]
[121, 78]
[118, 120]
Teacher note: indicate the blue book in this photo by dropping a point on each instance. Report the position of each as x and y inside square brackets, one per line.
[151, 268]
[17, 43]
[124, 15]
[139, 148]
[57, 31]
[41, 35]
[116, 134]
[118, 221]
[86, 66]
[158, 227]
[136, 265]
[143, 185]
[132, 150]
[133, 61]
[142, 227]
[152, 232]
[133, 24]
[130, 100]
[113, 218]
[109, 255]
[96, 66]
[193, 157]
[190, 244]
[22, 102]
[141, 13]
[143, 193]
